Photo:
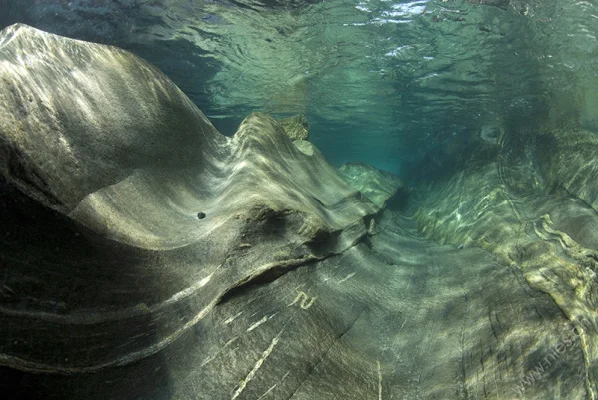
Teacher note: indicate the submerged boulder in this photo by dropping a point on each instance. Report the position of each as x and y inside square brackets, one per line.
[142, 215]
[296, 127]
[376, 185]
[144, 255]
[491, 133]
[305, 147]
[534, 208]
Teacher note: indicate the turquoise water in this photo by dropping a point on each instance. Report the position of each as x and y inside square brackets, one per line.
[426, 229]
[380, 81]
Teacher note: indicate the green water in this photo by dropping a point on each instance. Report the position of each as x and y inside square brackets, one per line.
[380, 81]
[146, 255]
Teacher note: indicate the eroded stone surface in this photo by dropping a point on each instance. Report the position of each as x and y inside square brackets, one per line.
[533, 208]
[377, 185]
[125, 190]
[401, 318]
[114, 287]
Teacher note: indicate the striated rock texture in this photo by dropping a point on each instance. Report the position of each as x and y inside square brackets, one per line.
[377, 185]
[123, 165]
[145, 256]
[534, 207]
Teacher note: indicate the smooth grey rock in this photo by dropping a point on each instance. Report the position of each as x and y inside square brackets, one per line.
[305, 147]
[113, 287]
[401, 318]
[120, 163]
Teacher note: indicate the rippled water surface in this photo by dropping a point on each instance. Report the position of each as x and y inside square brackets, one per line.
[144, 255]
[380, 81]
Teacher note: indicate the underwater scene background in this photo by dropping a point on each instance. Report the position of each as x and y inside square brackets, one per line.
[298, 199]
[381, 82]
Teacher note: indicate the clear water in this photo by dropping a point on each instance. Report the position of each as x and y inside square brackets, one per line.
[487, 110]
[379, 81]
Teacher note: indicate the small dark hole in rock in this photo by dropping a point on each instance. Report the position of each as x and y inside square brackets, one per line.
[201, 215]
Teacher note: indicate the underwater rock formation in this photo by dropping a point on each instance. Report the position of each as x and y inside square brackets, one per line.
[144, 255]
[377, 185]
[122, 159]
[296, 127]
[306, 147]
[491, 133]
[534, 207]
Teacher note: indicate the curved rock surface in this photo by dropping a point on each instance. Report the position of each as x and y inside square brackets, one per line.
[377, 185]
[145, 256]
[534, 207]
[171, 214]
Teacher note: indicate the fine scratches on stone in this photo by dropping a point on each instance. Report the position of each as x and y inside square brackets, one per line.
[257, 366]
[261, 321]
[267, 392]
[379, 380]
[351, 275]
[220, 351]
[258, 323]
[231, 319]
[334, 341]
